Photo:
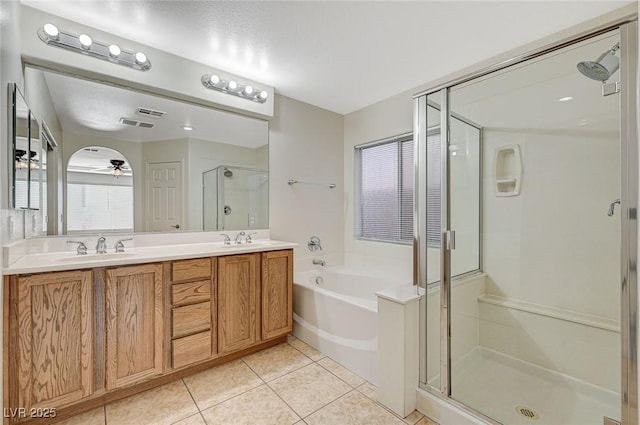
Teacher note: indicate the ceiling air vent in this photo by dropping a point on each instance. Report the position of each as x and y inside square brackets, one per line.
[148, 112]
[129, 121]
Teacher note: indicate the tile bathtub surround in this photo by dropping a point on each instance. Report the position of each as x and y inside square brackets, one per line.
[289, 384]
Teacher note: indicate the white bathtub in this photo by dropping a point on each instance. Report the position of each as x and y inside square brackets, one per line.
[335, 311]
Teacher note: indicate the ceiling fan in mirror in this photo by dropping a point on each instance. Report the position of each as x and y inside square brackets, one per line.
[117, 167]
[23, 162]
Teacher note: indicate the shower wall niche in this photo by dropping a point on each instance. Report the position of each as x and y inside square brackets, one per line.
[235, 198]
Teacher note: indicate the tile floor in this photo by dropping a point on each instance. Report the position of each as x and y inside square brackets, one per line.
[289, 384]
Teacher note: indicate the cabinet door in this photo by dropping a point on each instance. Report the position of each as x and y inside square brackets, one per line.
[277, 293]
[55, 338]
[238, 292]
[134, 324]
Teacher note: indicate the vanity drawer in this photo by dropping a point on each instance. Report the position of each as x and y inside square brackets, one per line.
[190, 293]
[191, 349]
[191, 319]
[199, 268]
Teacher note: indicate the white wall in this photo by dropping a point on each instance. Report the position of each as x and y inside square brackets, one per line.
[554, 244]
[306, 143]
[10, 71]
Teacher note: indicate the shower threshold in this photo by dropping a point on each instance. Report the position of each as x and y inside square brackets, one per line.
[499, 386]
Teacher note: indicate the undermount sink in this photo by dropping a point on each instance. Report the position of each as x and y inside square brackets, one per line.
[96, 257]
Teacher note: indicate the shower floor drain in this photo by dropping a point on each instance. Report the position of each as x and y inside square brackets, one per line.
[527, 412]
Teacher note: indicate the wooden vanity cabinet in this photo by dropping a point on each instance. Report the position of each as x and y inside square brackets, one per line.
[134, 324]
[238, 301]
[78, 339]
[51, 338]
[277, 293]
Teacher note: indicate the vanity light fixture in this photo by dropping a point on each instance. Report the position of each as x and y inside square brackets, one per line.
[245, 91]
[187, 127]
[84, 44]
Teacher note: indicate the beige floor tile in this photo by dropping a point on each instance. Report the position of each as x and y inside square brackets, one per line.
[306, 349]
[308, 389]
[353, 409]
[196, 419]
[414, 417]
[341, 372]
[369, 390]
[220, 383]
[426, 421]
[259, 406]
[92, 417]
[163, 405]
[276, 361]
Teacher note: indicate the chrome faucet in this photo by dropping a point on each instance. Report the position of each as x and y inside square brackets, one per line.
[82, 248]
[319, 262]
[227, 239]
[101, 246]
[239, 237]
[249, 240]
[120, 245]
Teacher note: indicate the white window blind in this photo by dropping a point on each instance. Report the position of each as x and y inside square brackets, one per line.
[384, 190]
[99, 207]
[434, 168]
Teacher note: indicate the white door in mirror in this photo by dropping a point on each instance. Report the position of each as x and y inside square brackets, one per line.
[164, 196]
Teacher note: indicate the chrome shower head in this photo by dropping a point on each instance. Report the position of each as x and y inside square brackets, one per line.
[603, 68]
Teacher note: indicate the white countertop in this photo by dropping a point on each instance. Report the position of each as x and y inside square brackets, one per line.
[67, 260]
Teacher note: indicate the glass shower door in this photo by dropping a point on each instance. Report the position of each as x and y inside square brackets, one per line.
[534, 161]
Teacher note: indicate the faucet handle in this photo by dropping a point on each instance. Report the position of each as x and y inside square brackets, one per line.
[82, 248]
[227, 239]
[314, 244]
[249, 240]
[119, 247]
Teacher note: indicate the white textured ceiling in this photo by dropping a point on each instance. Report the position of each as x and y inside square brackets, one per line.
[338, 55]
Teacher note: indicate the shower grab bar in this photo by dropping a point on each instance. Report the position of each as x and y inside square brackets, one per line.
[291, 182]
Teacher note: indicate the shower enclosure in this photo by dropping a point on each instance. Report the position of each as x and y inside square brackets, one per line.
[531, 287]
[235, 198]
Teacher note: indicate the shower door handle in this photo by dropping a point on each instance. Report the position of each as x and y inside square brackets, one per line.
[450, 236]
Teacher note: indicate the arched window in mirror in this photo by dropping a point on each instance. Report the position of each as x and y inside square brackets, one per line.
[99, 191]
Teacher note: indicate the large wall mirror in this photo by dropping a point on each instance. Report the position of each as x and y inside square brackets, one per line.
[125, 161]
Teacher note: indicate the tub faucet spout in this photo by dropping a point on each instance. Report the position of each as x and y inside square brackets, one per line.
[319, 262]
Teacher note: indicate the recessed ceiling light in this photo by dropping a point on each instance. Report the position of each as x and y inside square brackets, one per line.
[187, 127]
[565, 99]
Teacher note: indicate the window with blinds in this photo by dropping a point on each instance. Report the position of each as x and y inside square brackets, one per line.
[384, 190]
[99, 207]
[434, 168]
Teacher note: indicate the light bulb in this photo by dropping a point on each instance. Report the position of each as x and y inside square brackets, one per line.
[263, 95]
[85, 40]
[233, 85]
[51, 31]
[214, 79]
[248, 90]
[141, 58]
[114, 50]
